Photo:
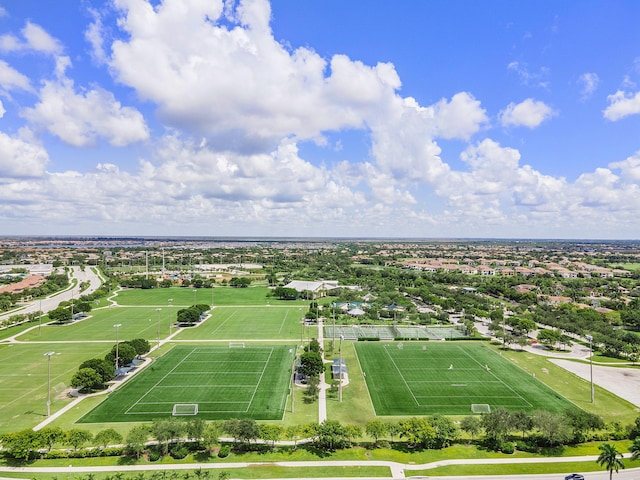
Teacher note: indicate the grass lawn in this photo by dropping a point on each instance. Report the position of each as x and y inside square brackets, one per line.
[608, 406]
[184, 297]
[254, 323]
[135, 322]
[251, 382]
[24, 377]
[426, 378]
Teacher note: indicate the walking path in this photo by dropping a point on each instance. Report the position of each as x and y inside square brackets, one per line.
[397, 470]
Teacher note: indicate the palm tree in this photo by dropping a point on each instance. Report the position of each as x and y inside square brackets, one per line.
[635, 449]
[608, 458]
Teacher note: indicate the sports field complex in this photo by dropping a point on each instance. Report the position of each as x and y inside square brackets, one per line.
[238, 363]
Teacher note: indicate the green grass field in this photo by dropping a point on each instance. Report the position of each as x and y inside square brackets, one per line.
[448, 378]
[184, 297]
[24, 377]
[252, 323]
[251, 382]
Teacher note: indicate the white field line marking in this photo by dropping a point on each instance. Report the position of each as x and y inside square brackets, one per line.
[497, 378]
[402, 377]
[260, 379]
[160, 381]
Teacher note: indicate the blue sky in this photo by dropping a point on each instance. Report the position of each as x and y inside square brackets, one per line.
[320, 118]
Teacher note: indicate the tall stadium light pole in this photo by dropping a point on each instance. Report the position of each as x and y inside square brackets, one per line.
[340, 370]
[590, 338]
[158, 310]
[333, 335]
[195, 296]
[49, 354]
[170, 304]
[293, 382]
[117, 325]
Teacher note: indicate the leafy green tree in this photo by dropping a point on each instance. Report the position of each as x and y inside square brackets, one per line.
[105, 369]
[497, 425]
[140, 345]
[60, 315]
[107, 437]
[417, 431]
[49, 436]
[353, 432]
[581, 422]
[553, 427]
[610, 458]
[211, 434]
[635, 449]
[86, 380]
[293, 433]
[166, 431]
[136, 439]
[270, 432]
[248, 430]
[471, 424]
[77, 437]
[522, 421]
[549, 338]
[311, 363]
[313, 389]
[189, 315]
[21, 445]
[285, 293]
[330, 435]
[376, 429]
[445, 431]
[195, 428]
[244, 430]
[126, 354]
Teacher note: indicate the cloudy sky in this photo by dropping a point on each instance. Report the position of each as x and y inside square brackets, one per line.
[430, 119]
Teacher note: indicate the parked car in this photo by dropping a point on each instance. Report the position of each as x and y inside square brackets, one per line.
[574, 476]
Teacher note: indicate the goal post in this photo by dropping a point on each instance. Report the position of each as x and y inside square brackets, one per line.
[236, 344]
[480, 408]
[183, 409]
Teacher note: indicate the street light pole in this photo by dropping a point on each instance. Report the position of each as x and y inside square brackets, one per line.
[158, 310]
[195, 296]
[117, 325]
[170, 304]
[590, 338]
[340, 370]
[49, 354]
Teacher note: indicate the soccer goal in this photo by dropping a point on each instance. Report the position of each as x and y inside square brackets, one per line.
[180, 409]
[236, 344]
[480, 408]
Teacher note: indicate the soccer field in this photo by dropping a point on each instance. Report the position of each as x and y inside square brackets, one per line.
[253, 323]
[449, 378]
[224, 382]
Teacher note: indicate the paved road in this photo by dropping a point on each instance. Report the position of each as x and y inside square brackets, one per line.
[51, 302]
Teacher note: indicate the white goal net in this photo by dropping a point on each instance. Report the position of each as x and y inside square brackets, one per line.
[480, 408]
[236, 344]
[180, 409]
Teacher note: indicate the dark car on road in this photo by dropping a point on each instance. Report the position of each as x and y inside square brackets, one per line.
[574, 476]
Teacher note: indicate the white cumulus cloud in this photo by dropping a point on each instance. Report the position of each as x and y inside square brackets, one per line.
[622, 104]
[237, 85]
[35, 38]
[529, 113]
[21, 158]
[80, 118]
